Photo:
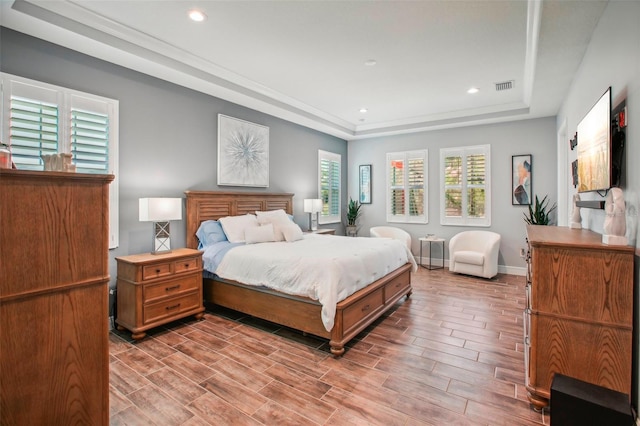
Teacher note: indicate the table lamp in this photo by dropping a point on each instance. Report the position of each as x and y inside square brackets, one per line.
[313, 206]
[160, 211]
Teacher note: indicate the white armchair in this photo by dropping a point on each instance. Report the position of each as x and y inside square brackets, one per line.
[391, 232]
[474, 253]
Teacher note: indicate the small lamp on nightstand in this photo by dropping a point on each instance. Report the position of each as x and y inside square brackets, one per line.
[313, 206]
[160, 211]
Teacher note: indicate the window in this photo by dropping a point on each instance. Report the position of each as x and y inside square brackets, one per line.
[407, 186]
[465, 186]
[40, 118]
[329, 182]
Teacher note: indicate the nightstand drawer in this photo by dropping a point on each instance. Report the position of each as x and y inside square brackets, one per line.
[154, 289]
[170, 288]
[158, 270]
[171, 308]
[186, 265]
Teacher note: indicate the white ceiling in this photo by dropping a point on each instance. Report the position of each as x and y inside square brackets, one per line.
[304, 60]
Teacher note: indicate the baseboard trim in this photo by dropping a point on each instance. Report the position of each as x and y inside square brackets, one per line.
[502, 269]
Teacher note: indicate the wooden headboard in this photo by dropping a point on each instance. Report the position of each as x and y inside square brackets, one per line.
[212, 205]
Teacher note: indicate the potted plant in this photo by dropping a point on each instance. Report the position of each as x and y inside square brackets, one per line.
[539, 215]
[353, 213]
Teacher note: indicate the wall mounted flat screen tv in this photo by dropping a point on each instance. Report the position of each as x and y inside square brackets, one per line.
[594, 147]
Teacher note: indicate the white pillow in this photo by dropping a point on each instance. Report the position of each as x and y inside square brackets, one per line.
[234, 226]
[278, 218]
[292, 232]
[259, 234]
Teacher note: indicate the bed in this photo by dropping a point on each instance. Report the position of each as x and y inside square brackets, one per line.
[352, 315]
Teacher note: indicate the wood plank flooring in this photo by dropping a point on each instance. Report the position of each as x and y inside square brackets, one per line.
[451, 354]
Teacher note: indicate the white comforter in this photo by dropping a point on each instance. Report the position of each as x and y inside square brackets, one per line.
[324, 268]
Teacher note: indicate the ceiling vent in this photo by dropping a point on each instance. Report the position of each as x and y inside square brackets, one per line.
[505, 85]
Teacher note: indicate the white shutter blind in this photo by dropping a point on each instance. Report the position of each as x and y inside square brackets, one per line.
[476, 172]
[33, 131]
[465, 196]
[416, 181]
[407, 186]
[90, 141]
[40, 118]
[396, 187]
[329, 179]
[453, 186]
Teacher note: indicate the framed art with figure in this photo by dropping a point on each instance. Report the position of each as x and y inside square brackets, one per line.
[521, 180]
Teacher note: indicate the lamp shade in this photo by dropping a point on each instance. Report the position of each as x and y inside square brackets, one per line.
[160, 209]
[312, 205]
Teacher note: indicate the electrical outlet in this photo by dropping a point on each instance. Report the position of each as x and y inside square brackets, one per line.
[521, 252]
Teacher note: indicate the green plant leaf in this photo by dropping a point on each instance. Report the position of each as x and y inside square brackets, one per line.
[540, 214]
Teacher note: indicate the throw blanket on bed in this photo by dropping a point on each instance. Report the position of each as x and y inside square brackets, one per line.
[323, 268]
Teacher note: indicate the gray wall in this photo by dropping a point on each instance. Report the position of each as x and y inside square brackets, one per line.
[536, 137]
[168, 135]
[612, 59]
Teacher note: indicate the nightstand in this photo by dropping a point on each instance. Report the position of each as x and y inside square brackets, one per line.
[154, 289]
[326, 231]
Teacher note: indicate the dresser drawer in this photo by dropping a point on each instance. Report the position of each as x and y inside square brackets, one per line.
[157, 270]
[171, 308]
[363, 308]
[187, 265]
[170, 288]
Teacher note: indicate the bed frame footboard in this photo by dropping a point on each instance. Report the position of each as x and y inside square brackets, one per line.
[353, 314]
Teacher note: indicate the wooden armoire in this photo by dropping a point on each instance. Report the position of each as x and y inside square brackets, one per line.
[579, 316]
[54, 354]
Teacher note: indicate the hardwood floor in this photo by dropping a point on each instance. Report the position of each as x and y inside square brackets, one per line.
[450, 354]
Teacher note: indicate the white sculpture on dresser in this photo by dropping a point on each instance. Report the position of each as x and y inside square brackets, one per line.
[615, 224]
[576, 219]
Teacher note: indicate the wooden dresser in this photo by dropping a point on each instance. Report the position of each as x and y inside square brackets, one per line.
[54, 347]
[579, 315]
[154, 289]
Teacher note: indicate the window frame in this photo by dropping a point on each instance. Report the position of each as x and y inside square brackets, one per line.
[65, 100]
[465, 220]
[405, 156]
[337, 159]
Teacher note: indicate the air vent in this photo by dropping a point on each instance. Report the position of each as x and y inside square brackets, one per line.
[505, 85]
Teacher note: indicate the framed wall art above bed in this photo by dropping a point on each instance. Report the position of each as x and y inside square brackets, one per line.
[243, 153]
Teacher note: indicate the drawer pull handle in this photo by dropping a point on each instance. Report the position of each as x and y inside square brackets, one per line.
[365, 308]
[168, 308]
[157, 271]
[186, 265]
[175, 287]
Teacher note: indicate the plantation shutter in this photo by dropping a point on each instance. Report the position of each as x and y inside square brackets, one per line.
[453, 186]
[33, 131]
[41, 119]
[407, 187]
[329, 165]
[476, 172]
[90, 141]
[396, 186]
[465, 196]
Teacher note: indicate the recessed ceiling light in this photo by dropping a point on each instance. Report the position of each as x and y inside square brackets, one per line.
[473, 90]
[370, 62]
[197, 15]
[363, 110]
